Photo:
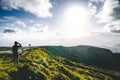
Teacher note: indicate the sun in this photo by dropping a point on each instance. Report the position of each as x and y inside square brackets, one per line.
[76, 15]
[75, 19]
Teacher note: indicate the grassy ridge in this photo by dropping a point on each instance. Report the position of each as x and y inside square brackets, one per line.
[88, 55]
[39, 64]
[5, 48]
[6, 66]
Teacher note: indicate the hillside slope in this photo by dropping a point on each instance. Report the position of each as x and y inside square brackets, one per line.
[88, 55]
[39, 64]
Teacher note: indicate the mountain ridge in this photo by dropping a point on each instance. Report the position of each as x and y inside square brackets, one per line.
[90, 55]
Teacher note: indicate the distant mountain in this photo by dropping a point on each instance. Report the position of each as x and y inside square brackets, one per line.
[40, 64]
[88, 55]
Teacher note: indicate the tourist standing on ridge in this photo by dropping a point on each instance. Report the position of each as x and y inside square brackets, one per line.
[15, 52]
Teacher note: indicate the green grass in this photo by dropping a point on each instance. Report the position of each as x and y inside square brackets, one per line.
[39, 64]
[5, 48]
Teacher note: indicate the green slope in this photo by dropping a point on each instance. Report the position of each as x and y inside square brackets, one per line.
[88, 55]
[40, 64]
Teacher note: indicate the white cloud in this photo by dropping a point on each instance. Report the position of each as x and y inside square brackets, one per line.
[35, 30]
[31, 21]
[92, 9]
[97, 1]
[113, 27]
[38, 25]
[20, 24]
[41, 8]
[17, 23]
[105, 15]
[109, 15]
[36, 35]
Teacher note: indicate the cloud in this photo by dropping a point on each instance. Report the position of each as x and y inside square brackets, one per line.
[92, 9]
[109, 12]
[19, 24]
[9, 31]
[105, 14]
[39, 28]
[113, 27]
[116, 10]
[31, 21]
[97, 1]
[40, 8]
[11, 21]
[36, 34]
[12, 30]
[110, 15]
[116, 31]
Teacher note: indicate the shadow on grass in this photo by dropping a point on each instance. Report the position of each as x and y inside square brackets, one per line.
[26, 74]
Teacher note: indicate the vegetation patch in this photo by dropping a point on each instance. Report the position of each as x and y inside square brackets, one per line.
[40, 64]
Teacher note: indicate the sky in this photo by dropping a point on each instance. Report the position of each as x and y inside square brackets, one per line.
[61, 22]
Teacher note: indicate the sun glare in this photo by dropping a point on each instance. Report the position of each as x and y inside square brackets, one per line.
[76, 15]
[75, 19]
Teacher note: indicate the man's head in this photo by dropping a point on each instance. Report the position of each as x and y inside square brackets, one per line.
[15, 42]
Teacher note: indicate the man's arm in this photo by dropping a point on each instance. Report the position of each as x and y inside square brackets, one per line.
[19, 45]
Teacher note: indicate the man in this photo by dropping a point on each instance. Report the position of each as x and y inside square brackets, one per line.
[15, 52]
